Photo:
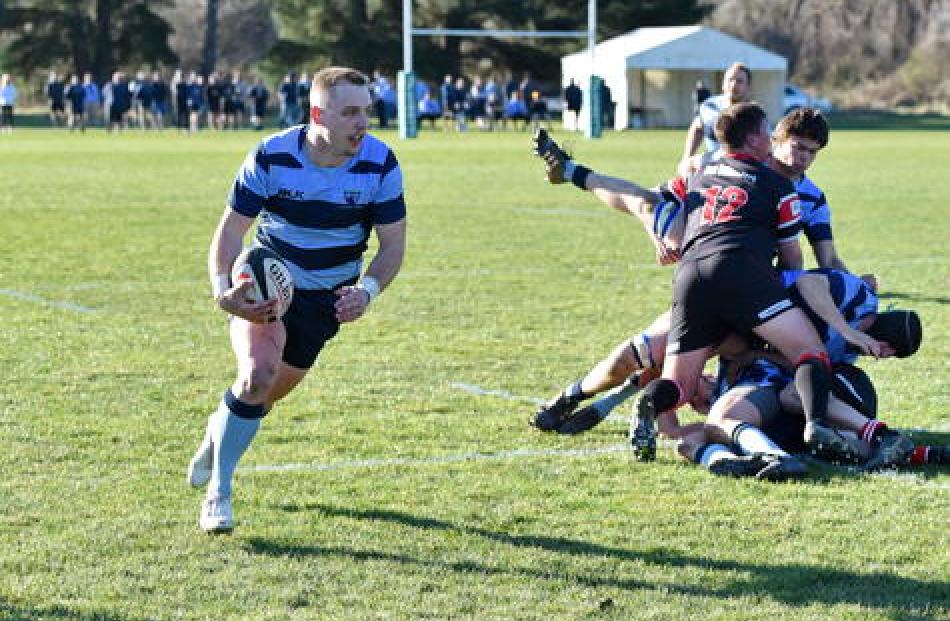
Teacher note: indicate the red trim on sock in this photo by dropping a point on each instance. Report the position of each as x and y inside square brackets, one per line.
[821, 357]
[919, 456]
[870, 429]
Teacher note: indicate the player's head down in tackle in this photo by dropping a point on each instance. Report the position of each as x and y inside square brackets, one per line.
[797, 139]
[743, 127]
[901, 329]
[339, 102]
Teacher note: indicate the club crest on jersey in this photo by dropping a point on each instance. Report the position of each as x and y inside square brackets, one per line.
[352, 197]
[294, 195]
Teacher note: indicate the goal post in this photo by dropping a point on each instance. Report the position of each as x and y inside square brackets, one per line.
[406, 79]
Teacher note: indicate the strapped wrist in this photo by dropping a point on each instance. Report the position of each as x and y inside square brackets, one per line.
[219, 284]
[371, 286]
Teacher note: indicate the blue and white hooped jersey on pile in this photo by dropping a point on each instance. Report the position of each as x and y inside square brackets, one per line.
[816, 216]
[762, 373]
[318, 219]
[855, 300]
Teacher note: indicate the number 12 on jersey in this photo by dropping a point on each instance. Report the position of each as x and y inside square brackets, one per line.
[721, 203]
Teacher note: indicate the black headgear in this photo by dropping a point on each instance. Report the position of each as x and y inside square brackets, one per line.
[900, 328]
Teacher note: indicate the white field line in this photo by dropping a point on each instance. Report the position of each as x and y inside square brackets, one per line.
[485, 392]
[29, 297]
[521, 453]
[440, 459]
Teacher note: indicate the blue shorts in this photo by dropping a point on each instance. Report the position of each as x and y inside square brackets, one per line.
[311, 323]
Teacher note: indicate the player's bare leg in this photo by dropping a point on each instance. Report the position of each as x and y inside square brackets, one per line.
[233, 426]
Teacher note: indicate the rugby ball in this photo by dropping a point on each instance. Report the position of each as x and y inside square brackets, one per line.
[269, 276]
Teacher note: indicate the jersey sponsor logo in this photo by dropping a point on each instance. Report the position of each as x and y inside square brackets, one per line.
[352, 197]
[724, 170]
[782, 305]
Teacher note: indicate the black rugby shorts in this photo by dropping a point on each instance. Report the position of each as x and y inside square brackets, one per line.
[716, 295]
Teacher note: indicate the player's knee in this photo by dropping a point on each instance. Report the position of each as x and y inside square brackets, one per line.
[259, 380]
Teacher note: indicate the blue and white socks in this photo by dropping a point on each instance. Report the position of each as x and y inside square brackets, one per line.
[233, 427]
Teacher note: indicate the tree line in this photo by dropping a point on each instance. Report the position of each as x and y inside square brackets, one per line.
[100, 36]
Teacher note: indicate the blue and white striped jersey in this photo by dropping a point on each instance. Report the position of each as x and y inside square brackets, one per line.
[816, 216]
[762, 373]
[853, 297]
[708, 115]
[318, 219]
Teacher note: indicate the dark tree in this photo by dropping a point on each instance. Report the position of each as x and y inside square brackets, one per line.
[86, 35]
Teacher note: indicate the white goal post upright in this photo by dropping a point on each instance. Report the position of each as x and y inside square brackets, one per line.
[408, 126]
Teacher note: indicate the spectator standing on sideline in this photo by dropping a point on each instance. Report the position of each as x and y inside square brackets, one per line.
[120, 101]
[289, 101]
[239, 93]
[160, 99]
[447, 98]
[141, 92]
[494, 102]
[197, 104]
[382, 95]
[460, 104]
[259, 95]
[215, 95]
[303, 96]
[179, 88]
[93, 102]
[573, 96]
[607, 105]
[76, 95]
[7, 103]
[56, 93]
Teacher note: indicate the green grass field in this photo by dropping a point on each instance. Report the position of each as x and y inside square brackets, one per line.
[404, 496]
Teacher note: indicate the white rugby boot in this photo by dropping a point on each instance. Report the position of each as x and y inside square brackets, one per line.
[216, 515]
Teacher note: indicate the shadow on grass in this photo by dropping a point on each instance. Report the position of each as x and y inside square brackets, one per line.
[912, 297]
[795, 584]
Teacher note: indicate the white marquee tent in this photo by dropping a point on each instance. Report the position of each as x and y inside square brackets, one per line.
[652, 72]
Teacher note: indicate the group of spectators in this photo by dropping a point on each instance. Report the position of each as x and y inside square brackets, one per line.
[148, 101]
[487, 103]
[191, 101]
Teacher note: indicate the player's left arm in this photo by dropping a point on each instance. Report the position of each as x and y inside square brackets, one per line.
[815, 289]
[388, 214]
[353, 300]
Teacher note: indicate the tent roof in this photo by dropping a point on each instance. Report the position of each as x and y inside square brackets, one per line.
[683, 47]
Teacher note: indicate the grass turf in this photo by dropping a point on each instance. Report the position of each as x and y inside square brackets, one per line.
[112, 358]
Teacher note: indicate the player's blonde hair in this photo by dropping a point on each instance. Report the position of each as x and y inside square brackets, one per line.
[325, 79]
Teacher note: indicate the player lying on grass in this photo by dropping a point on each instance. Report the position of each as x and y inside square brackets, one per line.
[751, 399]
